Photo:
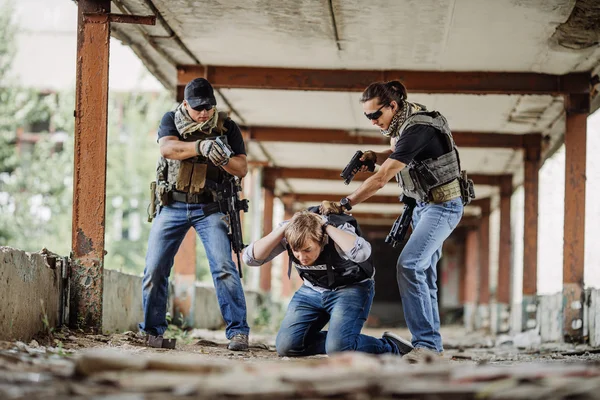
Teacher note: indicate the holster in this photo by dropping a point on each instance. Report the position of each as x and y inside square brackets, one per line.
[467, 189]
[152, 206]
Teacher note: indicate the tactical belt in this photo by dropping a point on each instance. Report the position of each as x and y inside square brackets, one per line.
[448, 191]
[200, 198]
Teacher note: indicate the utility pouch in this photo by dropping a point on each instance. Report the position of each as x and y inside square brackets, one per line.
[430, 179]
[152, 206]
[198, 180]
[162, 193]
[184, 176]
[467, 189]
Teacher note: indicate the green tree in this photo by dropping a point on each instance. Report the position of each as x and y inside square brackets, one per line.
[33, 187]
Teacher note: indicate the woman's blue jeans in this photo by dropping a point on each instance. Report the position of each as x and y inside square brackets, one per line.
[416, 269]
[168, 230]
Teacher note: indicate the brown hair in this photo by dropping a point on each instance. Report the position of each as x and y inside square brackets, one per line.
[303, 226]
[386, 92]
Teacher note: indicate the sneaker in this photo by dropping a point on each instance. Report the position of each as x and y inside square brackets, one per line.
[403, 345]
[238, 343]
[422, 355]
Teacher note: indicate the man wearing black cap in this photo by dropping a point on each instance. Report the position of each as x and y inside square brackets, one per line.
[191, 165]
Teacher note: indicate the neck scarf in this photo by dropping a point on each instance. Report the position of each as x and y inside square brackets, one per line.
[186, 126]
[400, 117]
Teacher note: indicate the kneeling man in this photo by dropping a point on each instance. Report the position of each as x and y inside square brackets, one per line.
[335, 263]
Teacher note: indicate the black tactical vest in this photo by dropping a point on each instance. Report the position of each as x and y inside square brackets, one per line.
[330, 270]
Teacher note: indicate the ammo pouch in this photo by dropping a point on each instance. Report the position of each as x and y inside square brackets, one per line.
[191, 176]
[467, 191]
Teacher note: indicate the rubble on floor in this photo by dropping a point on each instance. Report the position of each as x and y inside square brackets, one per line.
[75, 365]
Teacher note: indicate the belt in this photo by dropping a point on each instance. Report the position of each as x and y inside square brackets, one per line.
[198, 198]
[443, 193]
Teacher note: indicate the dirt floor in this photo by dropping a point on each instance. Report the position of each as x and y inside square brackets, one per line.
[70, 365]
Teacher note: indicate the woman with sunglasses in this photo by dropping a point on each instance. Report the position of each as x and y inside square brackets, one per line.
[424, 160]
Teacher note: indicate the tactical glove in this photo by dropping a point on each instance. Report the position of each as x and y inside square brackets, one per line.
[369, 155]
[213, 152]
[330, 207]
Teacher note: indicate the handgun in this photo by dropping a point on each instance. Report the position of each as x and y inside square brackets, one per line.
[354, 166]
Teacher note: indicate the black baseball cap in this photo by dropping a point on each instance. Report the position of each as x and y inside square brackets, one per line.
[199, 92]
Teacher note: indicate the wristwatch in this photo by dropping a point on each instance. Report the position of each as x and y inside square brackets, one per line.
[345, 203]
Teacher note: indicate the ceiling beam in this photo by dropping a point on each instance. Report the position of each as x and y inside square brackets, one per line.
[339, 136]
[358, 80]
[334, 175]
[318, 197]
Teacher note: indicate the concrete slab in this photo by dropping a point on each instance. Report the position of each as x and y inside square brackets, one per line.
[29, 293]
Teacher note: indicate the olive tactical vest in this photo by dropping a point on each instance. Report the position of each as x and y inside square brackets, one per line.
[419, 177]
[190, 175]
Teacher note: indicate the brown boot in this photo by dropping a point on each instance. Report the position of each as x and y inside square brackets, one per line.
[238, 343]
[422, 355]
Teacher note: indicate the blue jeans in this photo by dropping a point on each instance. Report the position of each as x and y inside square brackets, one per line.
[346, 309]
[168, 230]
[417, 274]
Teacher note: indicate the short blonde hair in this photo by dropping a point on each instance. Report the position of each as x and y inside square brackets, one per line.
[303, 226]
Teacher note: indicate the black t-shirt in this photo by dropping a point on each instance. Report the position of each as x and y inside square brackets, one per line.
[419, 142]
[234, 135]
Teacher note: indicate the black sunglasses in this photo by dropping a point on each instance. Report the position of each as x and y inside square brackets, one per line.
[203, 107]
[375, 114]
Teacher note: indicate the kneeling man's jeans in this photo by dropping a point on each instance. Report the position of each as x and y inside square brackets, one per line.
[346, 309]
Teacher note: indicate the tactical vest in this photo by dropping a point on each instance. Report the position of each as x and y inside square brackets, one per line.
[189, 176]
[419, 177]
[330, 270]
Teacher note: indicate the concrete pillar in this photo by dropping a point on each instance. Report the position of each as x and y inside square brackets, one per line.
[573, 254]
[469, 279]
[265, 270]
[483, 300]
[184, 280]
[504, 262]
[532, 156]
[89, 180]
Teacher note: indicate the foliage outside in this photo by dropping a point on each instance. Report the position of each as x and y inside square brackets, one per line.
[36, 175]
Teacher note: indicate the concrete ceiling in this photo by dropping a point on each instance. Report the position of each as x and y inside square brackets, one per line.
[425, 35]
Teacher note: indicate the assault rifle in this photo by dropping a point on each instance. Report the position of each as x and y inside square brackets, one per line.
[400, 227]
[230, 204]
[354, 165]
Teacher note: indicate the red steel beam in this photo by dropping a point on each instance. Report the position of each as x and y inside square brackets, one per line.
[358, 80]
[184, 279]
[265, 269]
[334, 175]
[484, 255]
[340, 136]
[532, 160]
[89, 186]
[318, 197]
[574, 224]
[504, 263]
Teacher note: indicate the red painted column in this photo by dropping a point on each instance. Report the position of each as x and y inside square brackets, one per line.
[184, 279]
[532, 157]
[265, 270]
[504, 262]
[89, 180]
[574, 239]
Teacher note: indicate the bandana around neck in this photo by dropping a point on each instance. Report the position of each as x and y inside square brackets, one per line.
[186, 126]
[400, 117]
